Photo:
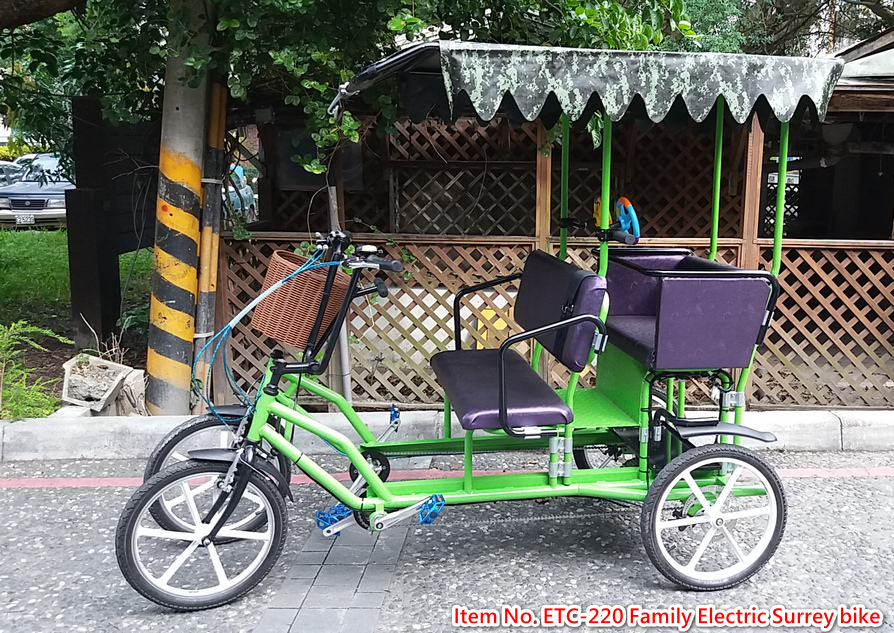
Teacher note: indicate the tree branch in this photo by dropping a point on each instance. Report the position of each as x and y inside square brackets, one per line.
[880, 10]
[15, 13]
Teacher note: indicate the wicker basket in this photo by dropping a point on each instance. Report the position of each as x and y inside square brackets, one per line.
[288, 314]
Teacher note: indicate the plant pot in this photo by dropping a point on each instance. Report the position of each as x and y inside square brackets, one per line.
[92, 382]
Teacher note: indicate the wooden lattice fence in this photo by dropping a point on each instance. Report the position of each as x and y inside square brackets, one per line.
[832, 343]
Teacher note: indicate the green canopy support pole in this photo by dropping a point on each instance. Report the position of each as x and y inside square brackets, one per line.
[718, 159]
[563, 208]
[606, 190]
[780, 199]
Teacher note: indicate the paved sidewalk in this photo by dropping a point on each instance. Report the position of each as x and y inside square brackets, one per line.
[338, 584]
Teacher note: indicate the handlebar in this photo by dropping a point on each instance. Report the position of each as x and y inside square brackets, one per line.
[617, 235]
[382, 263]
[381, 287]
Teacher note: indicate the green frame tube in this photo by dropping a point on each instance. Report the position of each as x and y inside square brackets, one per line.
[606, 190]
[780, 199]
[563, 207]
[718, 159]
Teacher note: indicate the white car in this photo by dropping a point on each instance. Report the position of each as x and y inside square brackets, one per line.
[38, 199]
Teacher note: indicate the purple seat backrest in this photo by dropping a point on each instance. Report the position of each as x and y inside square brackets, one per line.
[552, 290]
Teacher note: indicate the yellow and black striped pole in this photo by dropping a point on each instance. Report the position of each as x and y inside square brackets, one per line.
[174, 279]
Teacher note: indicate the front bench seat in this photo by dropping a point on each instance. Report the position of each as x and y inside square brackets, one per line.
[550, 291]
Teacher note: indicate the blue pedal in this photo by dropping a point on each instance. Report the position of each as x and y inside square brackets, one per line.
[431, 510]
[333, 515]
[395, 413]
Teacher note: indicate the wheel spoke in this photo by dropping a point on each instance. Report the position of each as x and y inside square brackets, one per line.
[218, 567]
[687, 477]
[178, 563]
[166, 534]
[225, 439]
[195, 491]
[242, 534]
[728, 488]
[191, 504]
[180, 457]
[683, 522]
[701, 548]
[751, 512]
[736, 549]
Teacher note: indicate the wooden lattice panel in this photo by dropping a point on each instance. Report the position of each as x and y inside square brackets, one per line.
[832, 341]
[465, 140]
[457, 200]
[392, 340]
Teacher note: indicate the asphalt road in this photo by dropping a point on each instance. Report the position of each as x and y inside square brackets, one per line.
[58, 570]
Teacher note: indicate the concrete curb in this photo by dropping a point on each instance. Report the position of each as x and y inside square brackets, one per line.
[134, 437]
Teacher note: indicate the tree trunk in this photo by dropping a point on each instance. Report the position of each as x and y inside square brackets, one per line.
[15, 13]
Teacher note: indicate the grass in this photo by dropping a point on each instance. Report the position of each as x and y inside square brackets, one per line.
[34, 282]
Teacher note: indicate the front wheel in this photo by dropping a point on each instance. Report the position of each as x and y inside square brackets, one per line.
[713, 517]
[184, 569]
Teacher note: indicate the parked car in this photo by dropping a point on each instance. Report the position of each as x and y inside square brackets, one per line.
[241, 197]
[38, 199]
[10, 172]
[25, 159]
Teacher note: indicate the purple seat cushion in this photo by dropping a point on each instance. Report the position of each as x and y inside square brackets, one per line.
[548, 286]
[633, 335]
[469, 378]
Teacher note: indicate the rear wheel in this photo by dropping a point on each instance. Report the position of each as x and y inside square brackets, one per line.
[182, 569]
[713, 517]
[204, 431]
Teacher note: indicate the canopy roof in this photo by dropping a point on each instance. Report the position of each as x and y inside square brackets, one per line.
[534, 79]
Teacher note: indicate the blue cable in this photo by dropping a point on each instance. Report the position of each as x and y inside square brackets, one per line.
[223, 335]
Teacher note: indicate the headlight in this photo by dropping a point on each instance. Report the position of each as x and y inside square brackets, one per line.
[56, 203]
[4, 203]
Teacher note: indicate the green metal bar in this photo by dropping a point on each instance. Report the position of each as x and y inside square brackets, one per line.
[314, 470]
[606, 190]
[535, 357]
[740, 386]
[681, 399]
[670, 395]
[563, 208]
[467, 462]
[339, 401]
[780, 199]
[448, 420]
[267, 405]
[718, 158]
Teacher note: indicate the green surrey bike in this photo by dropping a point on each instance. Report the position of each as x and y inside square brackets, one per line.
[210, 520]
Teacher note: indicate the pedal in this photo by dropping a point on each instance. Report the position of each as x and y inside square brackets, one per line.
[328, 518]
[431, 509]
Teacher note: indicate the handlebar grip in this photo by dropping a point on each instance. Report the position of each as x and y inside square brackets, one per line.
[381, 288]
[386, 264]
[617, 235]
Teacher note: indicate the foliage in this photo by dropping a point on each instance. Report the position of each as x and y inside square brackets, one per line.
[717, 22]
[15, 148]
[20, 396]
[274, 51]
[26, 256]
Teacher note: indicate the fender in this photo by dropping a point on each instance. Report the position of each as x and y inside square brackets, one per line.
[722, 428]
[260, 466]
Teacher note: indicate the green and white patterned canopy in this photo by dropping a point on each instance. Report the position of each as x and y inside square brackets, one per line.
[487, 73]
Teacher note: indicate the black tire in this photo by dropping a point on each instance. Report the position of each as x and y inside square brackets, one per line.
[701, 460]
[132, 564]
[161, 455]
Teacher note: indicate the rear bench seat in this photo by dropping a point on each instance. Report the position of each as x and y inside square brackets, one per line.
[672, 310]
[549, 292]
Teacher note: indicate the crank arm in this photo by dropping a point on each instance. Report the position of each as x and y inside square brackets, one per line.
[384, 521]
[335, 528]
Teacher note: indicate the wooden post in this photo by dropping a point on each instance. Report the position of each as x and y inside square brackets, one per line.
[543, 195]
[92, 255]
[750, 255]
[93, 268]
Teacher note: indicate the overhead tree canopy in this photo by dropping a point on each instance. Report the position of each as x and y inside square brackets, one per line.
[15, 13]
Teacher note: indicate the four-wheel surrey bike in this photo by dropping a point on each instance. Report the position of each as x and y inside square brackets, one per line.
[210, 520]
